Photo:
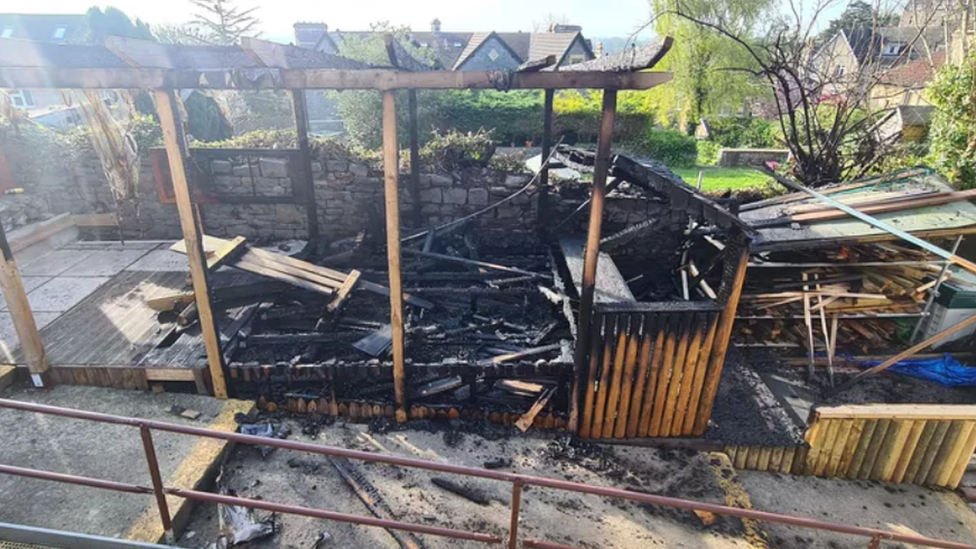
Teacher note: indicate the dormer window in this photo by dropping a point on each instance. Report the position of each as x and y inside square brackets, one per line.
[59, 32]
[893, 48]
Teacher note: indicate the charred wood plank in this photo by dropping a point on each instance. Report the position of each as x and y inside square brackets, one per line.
[633, 59]
[368, 494]
[466, 492]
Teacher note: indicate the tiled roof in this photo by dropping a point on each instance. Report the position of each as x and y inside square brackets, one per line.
[915, 73]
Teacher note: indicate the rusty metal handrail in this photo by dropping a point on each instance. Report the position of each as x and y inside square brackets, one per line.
[517, 480]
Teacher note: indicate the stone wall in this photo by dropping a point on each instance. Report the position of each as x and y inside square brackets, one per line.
[733, 158]
[348, 191]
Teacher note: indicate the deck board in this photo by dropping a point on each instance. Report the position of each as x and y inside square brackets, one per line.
[113, 325]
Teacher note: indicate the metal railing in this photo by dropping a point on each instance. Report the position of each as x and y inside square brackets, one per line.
[518, 481]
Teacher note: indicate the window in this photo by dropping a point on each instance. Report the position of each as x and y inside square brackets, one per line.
[893, 48]
[839, 70]
[59, 32]
[493, 55]
[7, 32]
[573, 59]
[423, 44]
[21, 99]
[458, 44]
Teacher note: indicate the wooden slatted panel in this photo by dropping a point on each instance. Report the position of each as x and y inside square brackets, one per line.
[931, 452]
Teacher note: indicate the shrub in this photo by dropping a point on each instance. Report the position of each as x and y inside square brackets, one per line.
[455, 150]
[952, 132]
[708, 152]
[739, 132]
[675, 149]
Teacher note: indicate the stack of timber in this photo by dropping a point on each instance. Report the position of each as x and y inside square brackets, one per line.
[858, 299]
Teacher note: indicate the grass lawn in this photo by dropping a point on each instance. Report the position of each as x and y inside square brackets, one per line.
[720, 179]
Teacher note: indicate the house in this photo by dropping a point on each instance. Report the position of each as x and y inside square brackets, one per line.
[850, 54]
[43, 27]
[48, 105]
[907, 123]
[905, 84]
[450, 51]
[468, 50]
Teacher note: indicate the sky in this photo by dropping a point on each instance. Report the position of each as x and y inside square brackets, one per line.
[599, 18]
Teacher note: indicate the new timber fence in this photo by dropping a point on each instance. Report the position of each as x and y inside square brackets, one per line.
[929, 445]
[517, 481]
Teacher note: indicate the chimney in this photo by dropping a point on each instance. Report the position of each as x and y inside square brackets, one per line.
[598, 50]
[435, 25]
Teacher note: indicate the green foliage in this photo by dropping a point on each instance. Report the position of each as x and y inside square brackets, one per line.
[258, 139]
[508, 163]
[454, 150]
[113, 22]
[724, 179]
[28, 147]
[708, 152]
[146, 132]
[205, 119]
[671, 147]
[952, 132]
[748, 132]
[709, 69]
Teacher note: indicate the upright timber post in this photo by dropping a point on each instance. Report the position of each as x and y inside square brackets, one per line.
[544, 174]
[22, 316]
[592, 254]
[414, 157]
[391, 169]
[722, 336]
[173, 140]
[301, 125]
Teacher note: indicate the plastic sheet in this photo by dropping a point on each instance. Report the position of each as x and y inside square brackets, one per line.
[945, 370]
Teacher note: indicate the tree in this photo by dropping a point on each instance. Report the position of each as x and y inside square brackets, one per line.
[223, 23]
[952, 133]
[113, 22]
[821, 99]
[858, 15]
[707, 66]
[360, 110]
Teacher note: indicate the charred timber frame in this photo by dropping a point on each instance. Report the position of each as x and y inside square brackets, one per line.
[124, 63]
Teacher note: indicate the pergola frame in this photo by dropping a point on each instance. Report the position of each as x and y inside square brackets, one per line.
[136, 64]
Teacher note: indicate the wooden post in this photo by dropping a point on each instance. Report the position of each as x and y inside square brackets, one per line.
[600, 169]
[391, 153]
[414, 158]
[301, 125]
[722, 336]
[544, 174]
[192, 236]
[22, 316]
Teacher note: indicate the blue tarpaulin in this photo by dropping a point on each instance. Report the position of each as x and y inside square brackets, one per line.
[945, 370]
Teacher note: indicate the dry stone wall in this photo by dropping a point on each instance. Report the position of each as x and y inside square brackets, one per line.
[349, 193]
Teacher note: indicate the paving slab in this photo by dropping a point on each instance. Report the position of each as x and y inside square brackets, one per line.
[63, 292]
[31, 283]
[161, 260]
[54, 263]
[561, 517]
[901, 508]
[104, 451]
[9, 343]
[107, 262]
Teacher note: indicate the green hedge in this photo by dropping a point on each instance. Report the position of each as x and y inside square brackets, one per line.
[673, 148]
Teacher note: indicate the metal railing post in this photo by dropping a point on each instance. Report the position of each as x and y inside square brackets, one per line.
[157, 483]
[516, 509]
